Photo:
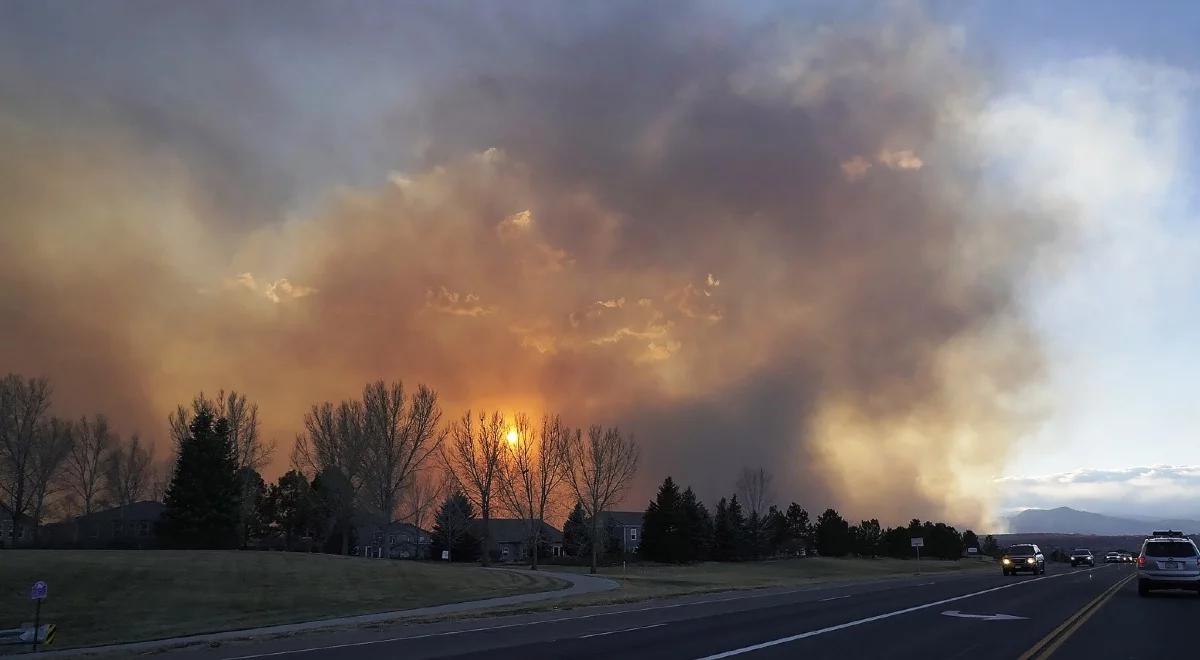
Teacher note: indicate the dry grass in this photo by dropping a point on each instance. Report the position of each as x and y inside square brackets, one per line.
[646, 581]
[105, 596]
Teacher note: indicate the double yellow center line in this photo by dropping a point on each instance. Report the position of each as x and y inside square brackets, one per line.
[1050, 643]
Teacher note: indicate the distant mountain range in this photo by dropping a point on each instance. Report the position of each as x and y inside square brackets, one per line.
[1065, 520]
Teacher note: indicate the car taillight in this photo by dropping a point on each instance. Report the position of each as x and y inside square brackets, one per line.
[1141, 561]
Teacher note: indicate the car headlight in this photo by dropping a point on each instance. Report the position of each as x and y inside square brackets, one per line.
[1029, 561]
[1006, 560]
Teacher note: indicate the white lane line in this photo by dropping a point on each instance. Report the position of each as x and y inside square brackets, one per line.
[826, 600]
[878, 617]
[926, 584]
[581, 617]
[614, 632]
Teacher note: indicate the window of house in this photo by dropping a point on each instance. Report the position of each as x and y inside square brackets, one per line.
[633, 535]
[504, 552]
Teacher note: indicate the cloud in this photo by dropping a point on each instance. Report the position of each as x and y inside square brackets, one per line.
[457, 304]
[276, 291]
[1158, 490]
[866, 342]
[903, 159]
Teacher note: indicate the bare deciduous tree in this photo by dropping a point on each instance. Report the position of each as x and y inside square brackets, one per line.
[423, 493]
[160, 479]
[51, 451]
[128, 471]
[532, 471]
[599, 469]
[333, 447]
[23, 406]
[473, 455]
[93, 441]
[754, 486]
[399, 437]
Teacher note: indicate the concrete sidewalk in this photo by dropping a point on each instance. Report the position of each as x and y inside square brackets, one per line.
[579, 584]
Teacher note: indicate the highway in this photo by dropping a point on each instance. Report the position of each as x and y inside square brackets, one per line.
[1068, 613]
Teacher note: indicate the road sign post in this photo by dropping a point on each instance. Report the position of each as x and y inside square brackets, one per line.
[37, 594]
[918, 543]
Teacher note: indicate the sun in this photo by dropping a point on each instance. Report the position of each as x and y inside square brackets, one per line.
[512, 436]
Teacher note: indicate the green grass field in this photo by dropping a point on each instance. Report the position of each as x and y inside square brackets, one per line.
[105, 596]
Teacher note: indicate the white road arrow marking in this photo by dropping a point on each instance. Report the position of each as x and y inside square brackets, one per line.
[985, 617]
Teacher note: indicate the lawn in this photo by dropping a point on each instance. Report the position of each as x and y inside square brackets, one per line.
[644, 581]
[105, 596]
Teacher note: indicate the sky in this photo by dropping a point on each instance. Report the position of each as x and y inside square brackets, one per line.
[919, 259]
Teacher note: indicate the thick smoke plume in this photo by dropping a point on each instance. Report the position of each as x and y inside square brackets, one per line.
[748, 240]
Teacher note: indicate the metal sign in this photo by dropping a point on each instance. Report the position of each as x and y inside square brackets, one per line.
[446, 554]
[918, 542]
[39, 590]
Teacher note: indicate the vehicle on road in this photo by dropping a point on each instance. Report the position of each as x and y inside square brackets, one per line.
[1112, 558]
[1023, 557]
[1081, 556]
[1127, 557]
[1168, 560]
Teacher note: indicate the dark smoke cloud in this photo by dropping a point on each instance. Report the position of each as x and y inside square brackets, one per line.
[748, 239]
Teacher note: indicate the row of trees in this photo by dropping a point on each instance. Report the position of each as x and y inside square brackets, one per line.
[677, 528]
[53, 467]
[383, 457]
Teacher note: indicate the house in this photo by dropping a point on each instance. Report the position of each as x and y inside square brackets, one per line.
[399, 540]
[623, 529]
[129, 526]
[509, 538]
[24, 529]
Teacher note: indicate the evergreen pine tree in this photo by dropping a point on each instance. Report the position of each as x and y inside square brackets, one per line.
[664, 526]
[737, 523]
[452, 529]
[724, 546]
[203, 499]
[575, 532]
[799, 533]
[699, 524]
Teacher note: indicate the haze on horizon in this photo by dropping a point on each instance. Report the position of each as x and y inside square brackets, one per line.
[875, 250]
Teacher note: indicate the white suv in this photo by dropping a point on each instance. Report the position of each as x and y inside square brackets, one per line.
[1169, 560]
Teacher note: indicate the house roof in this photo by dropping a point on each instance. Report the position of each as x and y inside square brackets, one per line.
[625, 518]
[144, 510]
[516, 530]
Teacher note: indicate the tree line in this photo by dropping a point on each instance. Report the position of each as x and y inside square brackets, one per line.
[387, 455]
[52, 467]
[678, 528]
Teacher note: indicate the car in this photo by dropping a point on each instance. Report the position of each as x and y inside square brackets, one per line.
[1168, 560]
[1023, 557]
[1080, 556]
[1112, 558]
[1127, 557]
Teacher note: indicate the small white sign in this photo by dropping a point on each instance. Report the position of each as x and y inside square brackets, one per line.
[446, 555]
[972, 551]
[918, 542]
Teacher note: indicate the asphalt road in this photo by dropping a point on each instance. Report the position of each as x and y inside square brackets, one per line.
[1068, 613]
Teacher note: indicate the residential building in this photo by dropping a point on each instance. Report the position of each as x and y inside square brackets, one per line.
[24, 529]
[509, 539]
[399, 540]
[623, 529]
[129, 526]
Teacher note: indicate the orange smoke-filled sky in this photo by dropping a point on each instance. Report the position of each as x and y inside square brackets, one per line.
[746, 240]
